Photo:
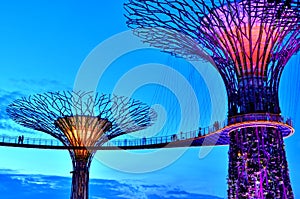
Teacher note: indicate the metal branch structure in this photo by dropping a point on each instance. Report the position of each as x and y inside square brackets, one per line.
[81, 121]
[250, 42]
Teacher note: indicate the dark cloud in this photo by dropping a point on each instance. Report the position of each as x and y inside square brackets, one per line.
[34, 187]
[6, 97]
[48, 187]
[8, 171]
[25, 87]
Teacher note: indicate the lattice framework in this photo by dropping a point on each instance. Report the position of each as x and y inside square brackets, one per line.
[249, 42]
[79, 120]
[210, 31]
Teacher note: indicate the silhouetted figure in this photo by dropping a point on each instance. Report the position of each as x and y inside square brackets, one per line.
[174, 137]
[216, 126]
[22, 139]
[199, 132]
[234, 110]
[19, 139]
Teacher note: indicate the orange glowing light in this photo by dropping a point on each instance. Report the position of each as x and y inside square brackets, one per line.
[83, 131]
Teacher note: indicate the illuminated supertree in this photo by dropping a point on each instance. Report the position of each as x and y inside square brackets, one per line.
[81, 121]
[249, 42]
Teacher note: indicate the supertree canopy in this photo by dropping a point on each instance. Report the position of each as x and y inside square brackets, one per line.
[249, 42]
[244, 38]
[81, 121]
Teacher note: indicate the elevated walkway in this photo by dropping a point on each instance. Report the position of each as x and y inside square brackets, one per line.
[215, 135]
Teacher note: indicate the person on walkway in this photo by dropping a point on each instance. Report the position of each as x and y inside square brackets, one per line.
[22, 139]
[199, 132]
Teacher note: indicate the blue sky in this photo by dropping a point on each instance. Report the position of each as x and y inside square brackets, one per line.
[44, 46]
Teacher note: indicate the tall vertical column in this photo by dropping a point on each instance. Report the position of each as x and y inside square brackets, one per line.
[257, 165]
[250, 48]
[80, 179]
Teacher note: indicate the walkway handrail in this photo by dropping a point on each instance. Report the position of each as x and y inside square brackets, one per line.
[259, 116]
[201, 132]
[30, 140]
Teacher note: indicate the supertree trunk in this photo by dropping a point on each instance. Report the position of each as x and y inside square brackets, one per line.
[81, 119]
[257, 165]
[250, 43]
[80, 180]
[257, 159]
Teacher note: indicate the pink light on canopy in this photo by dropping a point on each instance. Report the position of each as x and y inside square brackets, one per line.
[244, 38]
[248, 55]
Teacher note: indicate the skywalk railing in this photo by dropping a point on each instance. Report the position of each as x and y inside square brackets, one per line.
[259, 117]
[30, 140]
[181, 136]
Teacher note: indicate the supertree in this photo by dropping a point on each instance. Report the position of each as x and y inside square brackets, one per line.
[249, 42]
[81, 121]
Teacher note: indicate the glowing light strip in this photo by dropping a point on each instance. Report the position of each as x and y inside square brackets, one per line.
[247, 124]
[261, 123]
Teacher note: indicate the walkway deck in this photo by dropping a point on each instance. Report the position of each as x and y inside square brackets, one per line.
[214, 135]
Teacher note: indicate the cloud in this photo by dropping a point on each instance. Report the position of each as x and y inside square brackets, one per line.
[48, 187]
[6, 97]
[8, 171]
[39, 85]
[110, 189]
[12, 129]
[32, 187]
[25, 88]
